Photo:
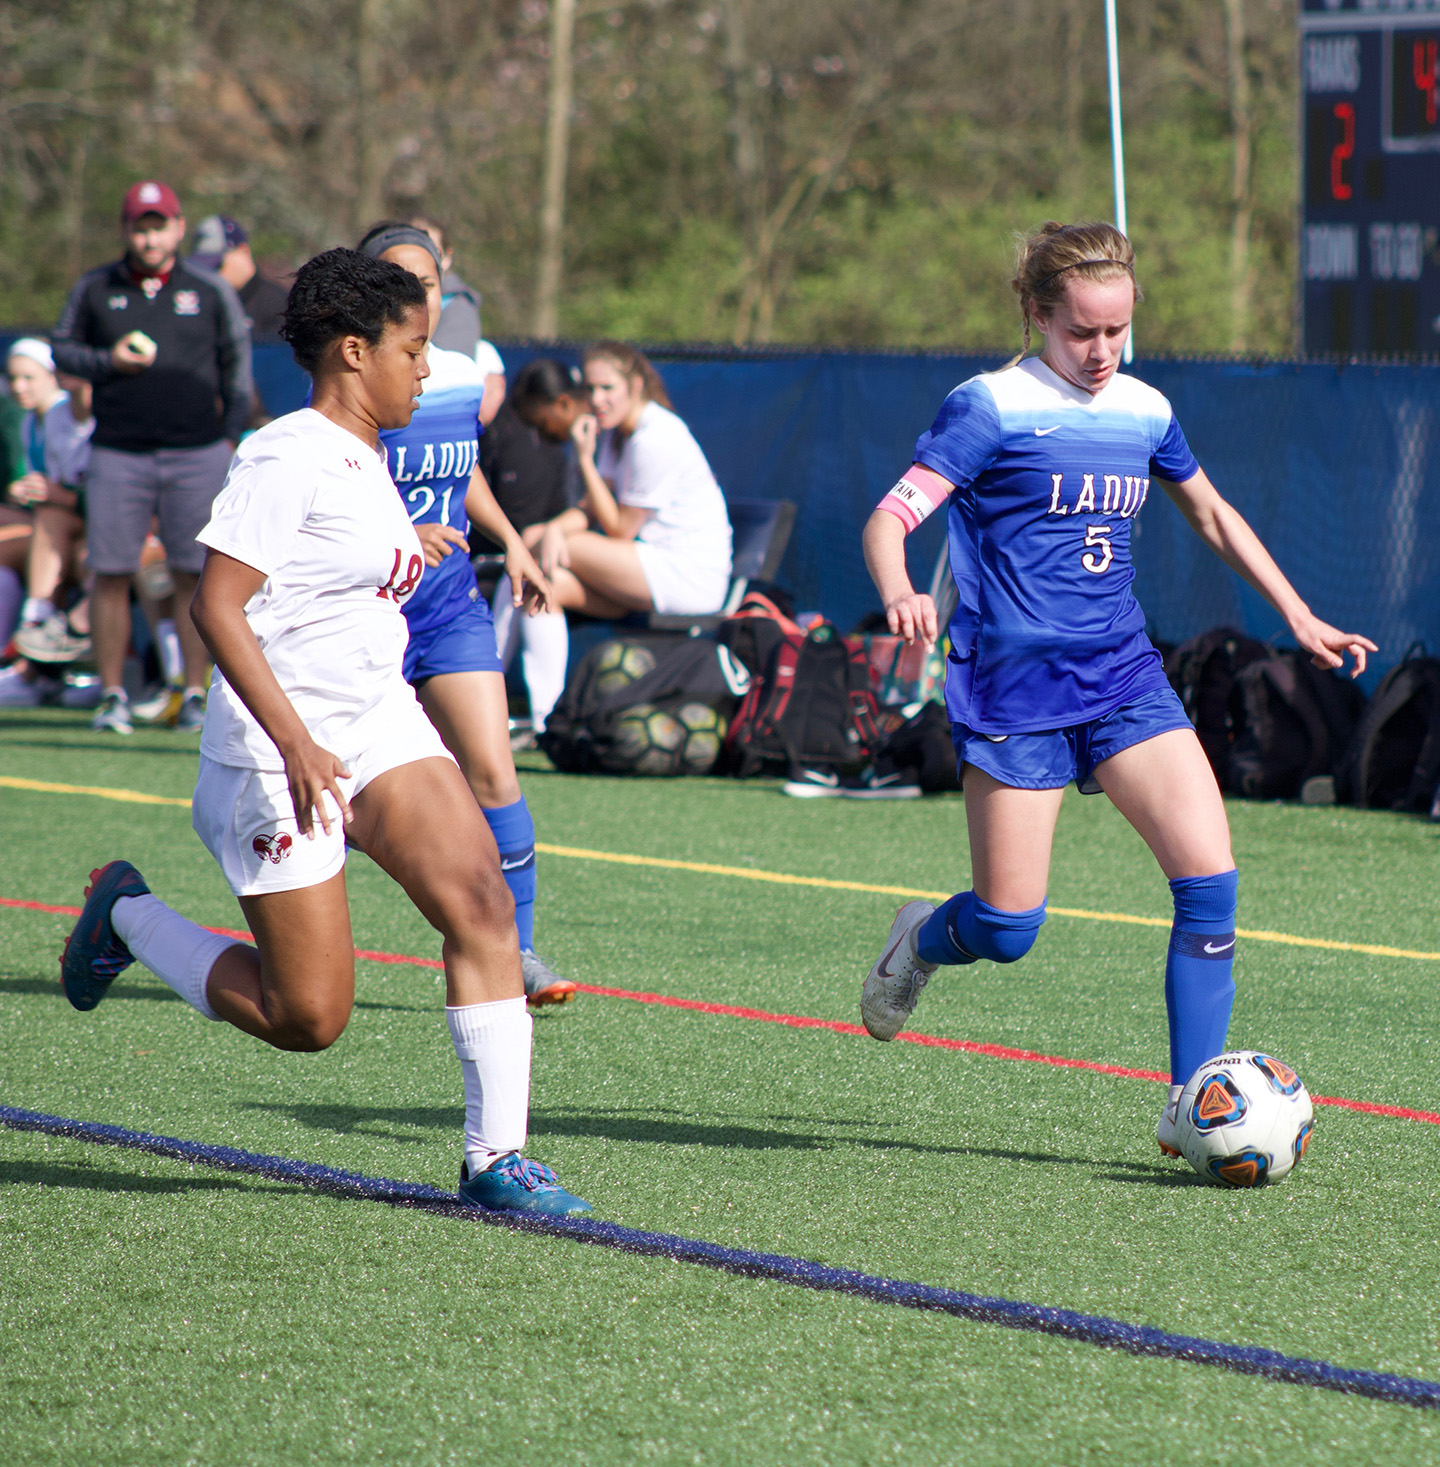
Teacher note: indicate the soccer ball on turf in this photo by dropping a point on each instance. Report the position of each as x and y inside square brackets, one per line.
[704, 731]
[620, 664]
[645, 740]
[1244, 1119]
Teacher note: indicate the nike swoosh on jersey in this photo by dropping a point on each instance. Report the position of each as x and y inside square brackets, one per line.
[1223, 948]
[1045, 432]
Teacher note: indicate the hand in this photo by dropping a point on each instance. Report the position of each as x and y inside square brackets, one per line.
[32, 488]
[583, 435]
[1328, 645]
[912, 617]
[554, 549]
[438, 541]
[529, 587]
[310, 772]
[132, 353]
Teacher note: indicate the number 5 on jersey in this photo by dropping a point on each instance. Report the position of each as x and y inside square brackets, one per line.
[398, 592]
[1097, 536]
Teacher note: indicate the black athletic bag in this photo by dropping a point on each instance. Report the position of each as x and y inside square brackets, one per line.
[1393, 762]
[609, 720]
[809, 704]
[1203, 671]
[1296, 721]
[922, 748]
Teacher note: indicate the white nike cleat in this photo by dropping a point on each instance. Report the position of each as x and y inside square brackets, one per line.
[893, 988]
[1165, 1132]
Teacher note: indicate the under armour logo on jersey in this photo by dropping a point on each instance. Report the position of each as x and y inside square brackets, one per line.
[350, 463]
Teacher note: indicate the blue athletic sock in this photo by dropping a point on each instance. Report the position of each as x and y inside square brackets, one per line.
[1199, 983]
[965, 928]
[514, 833]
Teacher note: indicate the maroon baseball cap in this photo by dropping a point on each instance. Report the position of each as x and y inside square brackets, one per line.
[150, 197]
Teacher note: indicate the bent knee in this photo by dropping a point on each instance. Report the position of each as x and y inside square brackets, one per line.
[1003, 937]
[309, 1033]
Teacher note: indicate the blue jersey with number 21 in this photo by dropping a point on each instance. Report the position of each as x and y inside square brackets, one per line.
[431, 460]
[1049, 479]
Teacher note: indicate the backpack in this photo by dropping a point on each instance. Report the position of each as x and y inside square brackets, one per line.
[922, 746]
[653, 723]
[809, 701]
[1296, 722]
[1393, 761]
[1203, 671]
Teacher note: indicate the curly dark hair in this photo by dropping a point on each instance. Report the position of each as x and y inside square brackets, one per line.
[344, 293]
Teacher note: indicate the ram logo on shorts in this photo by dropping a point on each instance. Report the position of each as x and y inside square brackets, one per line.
[272, 848]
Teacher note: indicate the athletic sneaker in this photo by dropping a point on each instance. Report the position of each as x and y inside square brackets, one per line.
[19, 691]
[812, 784]
[542, 983]
[113, 713]
[94, 956]
[52, 641]
[158, 706]
[1165, 1132]
[893, 988]
[514, 1183]
[897, 784]
[191, 714]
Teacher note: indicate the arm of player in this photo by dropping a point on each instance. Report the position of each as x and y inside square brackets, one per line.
[527, 581]
[1223, 528]
[614, 520]
[218, 611]
[919, 492]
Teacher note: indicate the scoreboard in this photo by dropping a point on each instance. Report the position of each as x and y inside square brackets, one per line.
[1370, 235]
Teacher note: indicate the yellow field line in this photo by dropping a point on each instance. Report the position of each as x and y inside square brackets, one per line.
[781, 878]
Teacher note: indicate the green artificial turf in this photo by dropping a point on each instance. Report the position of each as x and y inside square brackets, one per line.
[161, 1313]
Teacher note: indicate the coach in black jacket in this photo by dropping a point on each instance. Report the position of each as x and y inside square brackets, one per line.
[168, 349]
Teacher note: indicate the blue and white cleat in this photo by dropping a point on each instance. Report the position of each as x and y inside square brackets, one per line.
[514, 1183]
[94, 956]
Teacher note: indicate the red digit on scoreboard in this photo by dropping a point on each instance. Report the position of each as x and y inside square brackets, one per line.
[1422, 69]
[1343, 152]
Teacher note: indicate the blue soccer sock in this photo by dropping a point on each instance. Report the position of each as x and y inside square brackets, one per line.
[514, 833]
[1199, 981]
[965, 928]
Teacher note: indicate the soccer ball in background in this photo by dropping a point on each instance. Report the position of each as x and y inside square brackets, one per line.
[620, 664]
[1244, 1119]
[704, 733]
[645, 740]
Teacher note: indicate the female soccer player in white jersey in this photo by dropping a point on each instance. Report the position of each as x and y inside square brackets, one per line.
[1044, 466]
[451, 659]
[312, 734]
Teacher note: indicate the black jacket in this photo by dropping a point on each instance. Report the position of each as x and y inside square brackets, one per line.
[198, 388]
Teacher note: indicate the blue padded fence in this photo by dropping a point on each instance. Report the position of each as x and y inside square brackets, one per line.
[1336, 466]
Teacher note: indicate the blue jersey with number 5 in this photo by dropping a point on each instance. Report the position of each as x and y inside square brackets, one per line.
[431, 460]
[1049, 479]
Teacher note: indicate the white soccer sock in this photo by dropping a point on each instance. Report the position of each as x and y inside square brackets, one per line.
[492, 1041]
[546, 640]
[172, 662]
[507, 624]
[171, 946]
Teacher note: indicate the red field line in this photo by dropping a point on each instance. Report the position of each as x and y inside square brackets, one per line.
[834, 1026]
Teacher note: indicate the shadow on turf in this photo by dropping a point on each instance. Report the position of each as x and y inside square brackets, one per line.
[660, 1129]
[189, 749]
[92, 1179]
[50, 988]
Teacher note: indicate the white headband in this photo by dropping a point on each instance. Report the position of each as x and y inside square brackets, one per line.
[35, 349]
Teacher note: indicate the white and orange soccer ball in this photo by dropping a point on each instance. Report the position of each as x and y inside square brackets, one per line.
[1244, 1119]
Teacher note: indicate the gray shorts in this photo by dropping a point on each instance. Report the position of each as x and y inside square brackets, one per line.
[125, 491]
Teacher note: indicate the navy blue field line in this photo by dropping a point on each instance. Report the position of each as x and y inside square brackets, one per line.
[1090, 1329]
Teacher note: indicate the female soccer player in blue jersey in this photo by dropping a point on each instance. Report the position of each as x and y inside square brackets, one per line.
[1044, 466]
[451, 659]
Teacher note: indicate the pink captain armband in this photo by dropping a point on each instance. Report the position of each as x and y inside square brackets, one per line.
[917, 496]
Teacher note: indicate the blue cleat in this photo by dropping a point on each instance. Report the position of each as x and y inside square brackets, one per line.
[94, 956]
[514, 1183]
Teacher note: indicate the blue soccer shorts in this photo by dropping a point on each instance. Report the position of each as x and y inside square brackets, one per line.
[465, 644]
[1050, 760]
